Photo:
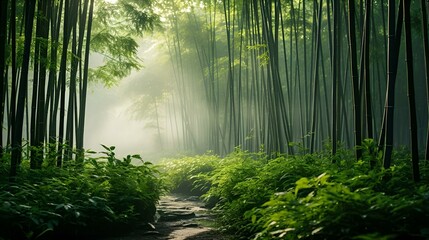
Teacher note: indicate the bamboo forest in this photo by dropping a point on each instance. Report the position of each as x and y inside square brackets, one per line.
[214, 119]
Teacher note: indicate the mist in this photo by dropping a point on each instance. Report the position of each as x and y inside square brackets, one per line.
[112, 119]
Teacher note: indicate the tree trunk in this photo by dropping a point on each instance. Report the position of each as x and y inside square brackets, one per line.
[62, 79]
[52, 97]
[38, 102]
[426, 62]
[355, 78]
[84, 89]
[335, 73]
[76, 56]
[316, 76]
[3, 67]
[392, 65]
[366, 70]
[18, 124]
[411, 94]
[14, 81]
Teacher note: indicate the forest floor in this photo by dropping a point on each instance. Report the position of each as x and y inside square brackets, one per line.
[179, 218]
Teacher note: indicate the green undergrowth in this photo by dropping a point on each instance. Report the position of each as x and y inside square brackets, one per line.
[312, 196]
[103, 196]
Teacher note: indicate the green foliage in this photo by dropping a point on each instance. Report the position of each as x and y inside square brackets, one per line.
[185, 175]
[239, 182]
[322, 209]
[311, 196]
[246, 182]
[115, 31]
[104, 196]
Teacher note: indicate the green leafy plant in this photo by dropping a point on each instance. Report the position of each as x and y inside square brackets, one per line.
[318, 208]
[311, 196]
[104, 195]
[187, 174]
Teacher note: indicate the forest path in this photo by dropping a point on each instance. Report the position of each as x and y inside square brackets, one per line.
[180, 218]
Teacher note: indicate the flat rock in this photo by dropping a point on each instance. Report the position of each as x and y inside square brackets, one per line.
[190, 225]
[176, 216]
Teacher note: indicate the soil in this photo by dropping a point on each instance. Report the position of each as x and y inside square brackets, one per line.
[180, 218]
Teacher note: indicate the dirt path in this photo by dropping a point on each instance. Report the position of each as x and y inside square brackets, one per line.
[180, 218]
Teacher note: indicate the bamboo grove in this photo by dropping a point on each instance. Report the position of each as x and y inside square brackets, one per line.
[297, 76]
[45, 49]
[281, 76]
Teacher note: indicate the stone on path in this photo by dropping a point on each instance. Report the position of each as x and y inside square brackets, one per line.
[178, 218]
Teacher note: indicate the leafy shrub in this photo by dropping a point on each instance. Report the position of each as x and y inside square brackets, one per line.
[181, 174]
[253, 183]
[103, 196]
[318, 208]
[239, 182]
[312, 196]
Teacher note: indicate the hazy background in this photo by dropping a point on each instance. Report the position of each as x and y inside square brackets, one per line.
[111, 119]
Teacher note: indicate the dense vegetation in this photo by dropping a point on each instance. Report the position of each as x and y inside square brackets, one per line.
[282, 77]
[252, 73]
[311, 196]
[49, 186]
[45, 69]
[103, 196]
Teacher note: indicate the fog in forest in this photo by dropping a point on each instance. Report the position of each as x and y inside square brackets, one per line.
[112, 111]
[198, 94]
[292, 119]
[289, 77]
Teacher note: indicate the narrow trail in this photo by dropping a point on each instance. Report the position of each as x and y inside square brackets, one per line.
[179, 218]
